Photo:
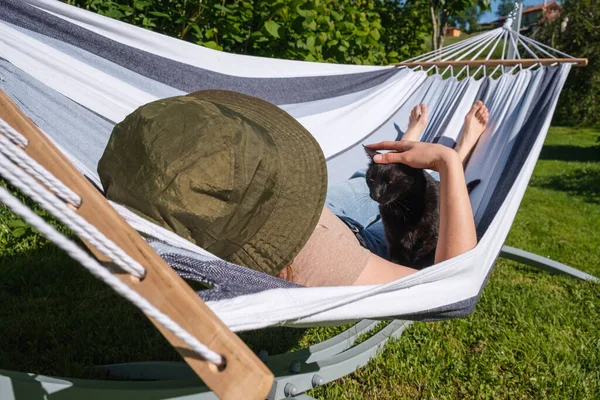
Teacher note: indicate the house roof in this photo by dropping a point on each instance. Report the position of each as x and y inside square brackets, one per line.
[540, 7]
[551, 4]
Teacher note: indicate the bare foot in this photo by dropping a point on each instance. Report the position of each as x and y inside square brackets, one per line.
[416, 123]
[475, 123]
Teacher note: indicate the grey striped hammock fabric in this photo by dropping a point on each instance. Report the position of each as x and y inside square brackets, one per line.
[76, 74]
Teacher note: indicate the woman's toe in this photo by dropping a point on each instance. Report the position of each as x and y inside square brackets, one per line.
[474, 109]
[484, 117]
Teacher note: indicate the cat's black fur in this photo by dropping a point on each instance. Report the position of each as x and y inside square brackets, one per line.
[409, 204]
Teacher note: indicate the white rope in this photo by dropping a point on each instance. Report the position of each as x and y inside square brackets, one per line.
[505, 34]
[526, 47]
[19, 157]
[12, 134]
[524, 44]
[463, 69]
[479, 69]
[448, 54]
[483, 45]
[543, 51]
[75, 222]
[100, 272]
[492, 46]
[504, 46]
[433, 67]
[501, 38]
[449, 67]
[539, 45]
[514, 43]
[432, 55]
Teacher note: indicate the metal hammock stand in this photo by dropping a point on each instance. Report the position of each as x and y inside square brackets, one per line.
[298, 371]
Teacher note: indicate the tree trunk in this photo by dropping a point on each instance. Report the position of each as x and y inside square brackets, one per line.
[434, 24]
[441, 36]
[442, 25]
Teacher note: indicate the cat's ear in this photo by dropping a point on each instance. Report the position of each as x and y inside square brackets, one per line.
[370, 152]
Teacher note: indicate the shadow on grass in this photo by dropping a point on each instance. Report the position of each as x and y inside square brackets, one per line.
[584, 183]
[57, 319]
[570, 153]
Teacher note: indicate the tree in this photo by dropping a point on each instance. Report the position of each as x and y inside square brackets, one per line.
[344, 31]
[468, 21]
[505, 7]
[405, 24]
[442, 11]
[577, 32]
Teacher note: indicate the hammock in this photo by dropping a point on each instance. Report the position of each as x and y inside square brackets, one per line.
[76, 74]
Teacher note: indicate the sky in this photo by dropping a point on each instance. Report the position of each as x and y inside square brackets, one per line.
[491, 15]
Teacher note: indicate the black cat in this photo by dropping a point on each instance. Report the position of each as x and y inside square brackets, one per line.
[409, 204]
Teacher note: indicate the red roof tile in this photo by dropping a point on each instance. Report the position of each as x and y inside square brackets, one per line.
[539, 7]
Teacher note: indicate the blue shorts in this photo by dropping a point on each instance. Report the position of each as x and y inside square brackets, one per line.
[351, 202]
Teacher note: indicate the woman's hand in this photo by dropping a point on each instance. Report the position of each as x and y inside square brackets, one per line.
[415, 154]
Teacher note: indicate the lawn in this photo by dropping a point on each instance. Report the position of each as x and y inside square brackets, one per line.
[532, 335]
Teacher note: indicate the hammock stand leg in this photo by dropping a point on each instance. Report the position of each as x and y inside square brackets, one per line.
[323, 367]
[543, 263]
[295, 372]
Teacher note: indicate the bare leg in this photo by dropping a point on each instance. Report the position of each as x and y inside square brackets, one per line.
[416, 123]
[475, 123]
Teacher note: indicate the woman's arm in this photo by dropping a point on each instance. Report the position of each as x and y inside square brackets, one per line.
[457, 228]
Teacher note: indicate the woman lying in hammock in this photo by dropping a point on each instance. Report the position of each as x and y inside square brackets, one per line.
[244, 180]
[355, 251]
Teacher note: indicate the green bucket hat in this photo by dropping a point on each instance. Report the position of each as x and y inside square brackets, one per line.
[232, 173]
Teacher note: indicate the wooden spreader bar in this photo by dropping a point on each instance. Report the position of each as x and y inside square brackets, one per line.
[577, 62]
[244, 376]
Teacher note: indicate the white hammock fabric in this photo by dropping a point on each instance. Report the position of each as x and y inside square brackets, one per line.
[76, 74]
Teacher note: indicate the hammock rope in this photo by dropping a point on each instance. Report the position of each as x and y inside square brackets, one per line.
[472, 48]
[438, 54]
[34, 169]
[10, 169]
[59, 209]
[12, 134]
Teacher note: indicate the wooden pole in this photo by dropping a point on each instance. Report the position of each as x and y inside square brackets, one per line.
[243, 376]
[577, 62]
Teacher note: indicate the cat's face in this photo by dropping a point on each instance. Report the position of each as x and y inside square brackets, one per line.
[390, 182]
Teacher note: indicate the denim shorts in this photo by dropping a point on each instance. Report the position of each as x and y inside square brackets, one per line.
[367, 238]
[351, 202]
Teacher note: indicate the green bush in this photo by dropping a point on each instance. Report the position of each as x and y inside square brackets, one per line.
[577, 32]
[405, 25]
[342, 31]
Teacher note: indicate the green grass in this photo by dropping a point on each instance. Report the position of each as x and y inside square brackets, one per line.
[533, 334]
